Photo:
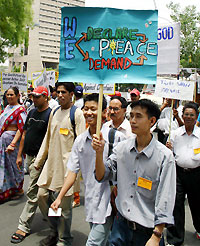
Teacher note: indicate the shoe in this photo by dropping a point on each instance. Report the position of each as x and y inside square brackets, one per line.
[49, 241]
[18, 238]
[75, 204]
[198, 235]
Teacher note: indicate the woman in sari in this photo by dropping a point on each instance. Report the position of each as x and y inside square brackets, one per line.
[12, 120]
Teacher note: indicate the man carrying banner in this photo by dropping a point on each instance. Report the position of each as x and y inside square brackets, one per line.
[97, 196]
[145, 173]
[53, 155]
[185, 144]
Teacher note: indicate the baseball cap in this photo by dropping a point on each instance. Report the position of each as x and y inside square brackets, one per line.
[135, 91]
[78, 89]
[40, 90]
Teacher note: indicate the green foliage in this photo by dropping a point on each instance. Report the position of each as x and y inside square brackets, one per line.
[190, 33]
[15, 19]
[16, 69]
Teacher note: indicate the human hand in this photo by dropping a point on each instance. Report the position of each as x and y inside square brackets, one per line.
[9, 149]
[19, 162]
[153, 241]
[98, 143]
[169, 145]
[55, 205]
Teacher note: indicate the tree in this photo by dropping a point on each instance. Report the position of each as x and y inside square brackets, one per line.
[190, 33]
[15, 20]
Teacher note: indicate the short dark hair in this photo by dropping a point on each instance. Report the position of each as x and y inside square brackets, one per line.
[69, 86]
[151, 107]
[191, 105]
[95, 97]
[30, 88]
[121, 99]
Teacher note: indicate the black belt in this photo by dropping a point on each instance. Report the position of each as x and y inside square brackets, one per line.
[135, 226]
[183, 169]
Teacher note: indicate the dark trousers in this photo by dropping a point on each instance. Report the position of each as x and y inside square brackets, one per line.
[188, 182]
[124, 235]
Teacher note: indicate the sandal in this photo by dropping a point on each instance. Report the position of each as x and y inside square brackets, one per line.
[18, 238]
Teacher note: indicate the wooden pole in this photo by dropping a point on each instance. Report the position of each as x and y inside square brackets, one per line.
[99, 112]
[170, 121]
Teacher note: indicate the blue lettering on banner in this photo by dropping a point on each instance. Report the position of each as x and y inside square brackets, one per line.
[183, 84]
[170, 91]
[165, 33]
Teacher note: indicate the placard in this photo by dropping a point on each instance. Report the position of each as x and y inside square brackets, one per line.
[107, 45]
[175, 89]
[94, 88]
[50, 77]
[14, 79]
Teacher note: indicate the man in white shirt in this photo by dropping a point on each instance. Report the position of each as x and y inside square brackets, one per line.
[185, 144]
[117, 109]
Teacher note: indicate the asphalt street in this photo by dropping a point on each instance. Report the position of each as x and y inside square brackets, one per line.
[10, 212]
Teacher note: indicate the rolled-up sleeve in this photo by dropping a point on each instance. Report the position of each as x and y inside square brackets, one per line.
[166, 192]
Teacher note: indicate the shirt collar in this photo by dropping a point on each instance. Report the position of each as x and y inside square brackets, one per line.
[123, 124]
[148, 150]
[194, 133]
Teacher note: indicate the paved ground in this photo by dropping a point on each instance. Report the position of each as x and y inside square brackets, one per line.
[10, 212]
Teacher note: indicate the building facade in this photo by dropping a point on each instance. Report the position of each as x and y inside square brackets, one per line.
[44, 39]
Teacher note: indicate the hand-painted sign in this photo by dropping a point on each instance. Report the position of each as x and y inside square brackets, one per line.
[107, 46]
[175, 89]
[50, 77]
[14, 79]
[169, 49]
[94, 88]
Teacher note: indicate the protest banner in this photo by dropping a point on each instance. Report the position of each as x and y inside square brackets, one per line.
[50, 76]
[14, 79]
[175, 89]
[168, 49]
[108, 89]
[105, 46]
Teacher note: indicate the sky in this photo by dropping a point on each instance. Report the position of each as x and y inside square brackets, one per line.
[163, 11]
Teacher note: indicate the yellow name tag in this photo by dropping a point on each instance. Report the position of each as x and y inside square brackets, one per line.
[145, 183]
[196, 151]
[64, 131]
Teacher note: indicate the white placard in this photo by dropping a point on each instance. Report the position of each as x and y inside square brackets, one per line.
[175, 89]
[50, 76]
[94, 88]
[54, 213]
[168, 49]
[14, 79]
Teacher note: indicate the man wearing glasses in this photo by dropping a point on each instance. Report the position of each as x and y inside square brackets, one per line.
[117, 110]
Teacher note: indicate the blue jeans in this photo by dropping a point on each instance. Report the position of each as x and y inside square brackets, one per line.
[123, 235]
[99, 233]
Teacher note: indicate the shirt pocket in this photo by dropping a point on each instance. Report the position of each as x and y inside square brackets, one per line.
[146, 193]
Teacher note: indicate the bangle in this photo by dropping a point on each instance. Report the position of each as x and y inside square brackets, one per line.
[12, 145]
[157, 234]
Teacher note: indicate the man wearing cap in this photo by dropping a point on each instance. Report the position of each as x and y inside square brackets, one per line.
[79, 96]
[135, 96]
[34, 131]
[53, 156]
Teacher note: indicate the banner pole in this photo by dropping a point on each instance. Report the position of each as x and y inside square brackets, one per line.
[170, 121]
[99, 112]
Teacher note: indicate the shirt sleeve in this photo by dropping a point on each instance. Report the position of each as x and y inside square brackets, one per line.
[79, 121]
[166, 192]
[73, 162]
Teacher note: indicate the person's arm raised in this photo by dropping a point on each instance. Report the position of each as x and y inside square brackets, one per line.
[98, 146]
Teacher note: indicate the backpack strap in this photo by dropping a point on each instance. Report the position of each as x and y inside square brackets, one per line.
[111, 138]
[72, 118]
[56, 110]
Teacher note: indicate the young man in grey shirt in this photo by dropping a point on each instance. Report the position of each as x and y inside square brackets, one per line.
[146, 179]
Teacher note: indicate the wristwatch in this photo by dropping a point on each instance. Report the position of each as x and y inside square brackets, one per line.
[157, 234]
